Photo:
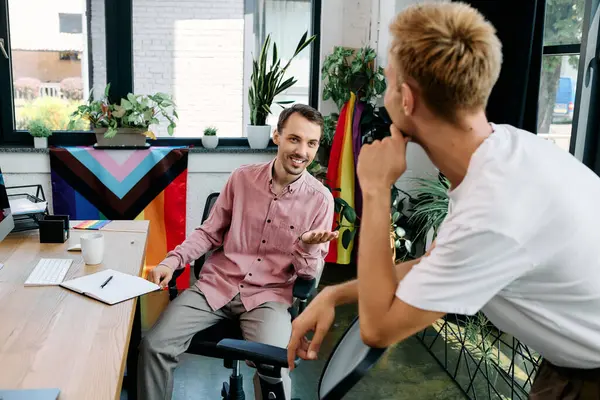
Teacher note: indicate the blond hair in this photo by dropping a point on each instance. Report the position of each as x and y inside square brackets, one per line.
[452, 53]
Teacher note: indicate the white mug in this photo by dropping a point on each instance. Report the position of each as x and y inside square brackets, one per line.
[92, 248]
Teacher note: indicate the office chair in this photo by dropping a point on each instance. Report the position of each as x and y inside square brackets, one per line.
[350, 360]
[205, 343]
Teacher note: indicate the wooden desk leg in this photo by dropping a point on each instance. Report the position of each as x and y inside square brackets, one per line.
[132, 355]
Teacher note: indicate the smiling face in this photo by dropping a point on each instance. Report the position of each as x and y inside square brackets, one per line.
[298, 140]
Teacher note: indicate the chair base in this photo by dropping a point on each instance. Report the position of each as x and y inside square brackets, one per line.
[234, 390]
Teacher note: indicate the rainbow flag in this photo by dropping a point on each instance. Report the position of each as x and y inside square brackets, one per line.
[92, 185]
[93, 225]
[341, 173]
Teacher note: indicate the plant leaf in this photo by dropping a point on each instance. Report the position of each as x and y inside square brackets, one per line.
[347, 237]
[350, 214]
[126, 105]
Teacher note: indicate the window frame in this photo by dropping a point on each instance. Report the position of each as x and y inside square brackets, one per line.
[585, 137]
[119, 72]
[559, 50]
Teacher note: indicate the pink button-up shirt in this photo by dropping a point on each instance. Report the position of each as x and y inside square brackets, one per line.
[256, 234]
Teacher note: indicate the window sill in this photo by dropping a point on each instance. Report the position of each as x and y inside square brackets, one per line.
[220, 149]
[223, 159]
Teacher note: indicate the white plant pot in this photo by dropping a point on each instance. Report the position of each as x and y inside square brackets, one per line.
[258, 136]
[210, 142]
[40, 142]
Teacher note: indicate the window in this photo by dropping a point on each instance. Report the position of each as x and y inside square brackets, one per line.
[70, 23]
[286, 21]
[560, 64]
[49, 65]
[199, 52]
[70, 55]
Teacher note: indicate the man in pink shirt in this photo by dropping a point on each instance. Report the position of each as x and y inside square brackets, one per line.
[270, 224]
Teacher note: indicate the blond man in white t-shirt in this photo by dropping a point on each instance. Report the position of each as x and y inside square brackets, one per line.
[520, 242]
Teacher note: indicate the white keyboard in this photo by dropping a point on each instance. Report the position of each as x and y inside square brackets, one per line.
[49, 271]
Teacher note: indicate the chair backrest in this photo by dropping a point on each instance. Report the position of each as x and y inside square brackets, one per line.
[210, 202]
[350, 360]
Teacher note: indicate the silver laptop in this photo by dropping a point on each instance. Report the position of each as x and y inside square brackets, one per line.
[29, 394]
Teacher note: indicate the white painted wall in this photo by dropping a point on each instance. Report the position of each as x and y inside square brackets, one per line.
[207, 173]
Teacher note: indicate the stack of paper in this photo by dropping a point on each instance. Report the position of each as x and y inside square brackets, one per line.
[24, 206]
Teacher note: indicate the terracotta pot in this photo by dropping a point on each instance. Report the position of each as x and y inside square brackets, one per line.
[125, 137]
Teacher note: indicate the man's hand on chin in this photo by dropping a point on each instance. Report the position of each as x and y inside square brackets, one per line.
[381, 163]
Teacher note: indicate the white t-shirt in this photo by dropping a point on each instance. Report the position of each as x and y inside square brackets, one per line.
[521, 243]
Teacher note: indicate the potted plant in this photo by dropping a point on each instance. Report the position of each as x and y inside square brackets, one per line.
[128, 123]
[210, 140]
[265, 85]
[40, 133]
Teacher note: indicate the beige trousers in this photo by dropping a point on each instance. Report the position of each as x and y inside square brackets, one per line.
[189, 314]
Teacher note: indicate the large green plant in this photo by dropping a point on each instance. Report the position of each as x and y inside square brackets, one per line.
[268, 82]
[349, 70]
[429, 205]
[345, 71]
[136, 111]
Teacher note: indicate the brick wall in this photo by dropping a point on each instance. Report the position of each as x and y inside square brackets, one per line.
[98, 32]
[194, 50]
[43, 65]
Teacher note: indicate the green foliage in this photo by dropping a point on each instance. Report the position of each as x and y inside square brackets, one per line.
[358, 75]
[37, 128]
[330, 123]
[317, 170]
[136, 111]
[564, 19]
[267, 83]
[53, 112]
[401, 230]
[210, 131]
[429, 205]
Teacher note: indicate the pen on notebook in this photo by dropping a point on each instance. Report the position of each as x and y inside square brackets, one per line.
[106, 282]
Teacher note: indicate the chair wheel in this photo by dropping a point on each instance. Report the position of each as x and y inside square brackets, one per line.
[225, 391]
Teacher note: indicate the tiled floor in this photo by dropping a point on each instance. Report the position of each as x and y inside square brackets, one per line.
[406, 371]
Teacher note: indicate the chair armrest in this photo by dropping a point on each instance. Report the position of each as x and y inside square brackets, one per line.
[256, 352]
[303, 288]
[173, 283]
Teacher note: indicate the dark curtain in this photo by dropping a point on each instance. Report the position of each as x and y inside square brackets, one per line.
[520, 27]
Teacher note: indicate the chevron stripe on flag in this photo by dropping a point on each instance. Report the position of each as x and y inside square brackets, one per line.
[90, 184]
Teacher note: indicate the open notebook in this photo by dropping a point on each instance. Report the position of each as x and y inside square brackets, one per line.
[120, 288]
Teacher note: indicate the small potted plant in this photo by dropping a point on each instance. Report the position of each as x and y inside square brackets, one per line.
[265, 85]
[210, 140]
[40, 133]
[126, 124]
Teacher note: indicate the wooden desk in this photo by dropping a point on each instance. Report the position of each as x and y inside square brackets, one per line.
[54, 338]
